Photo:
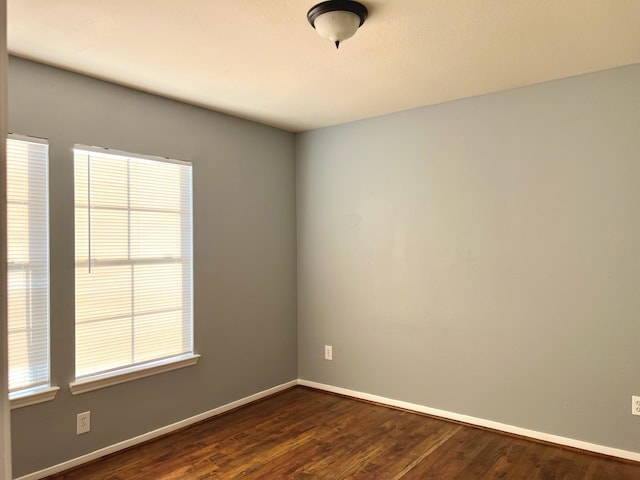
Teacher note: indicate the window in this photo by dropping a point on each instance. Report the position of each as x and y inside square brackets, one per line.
[27, 268]
[133, 275]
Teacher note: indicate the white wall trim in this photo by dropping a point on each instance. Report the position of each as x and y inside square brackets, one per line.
[501, 427]
[34, 397]
[480, 422]
[155, 433]
[132, 373]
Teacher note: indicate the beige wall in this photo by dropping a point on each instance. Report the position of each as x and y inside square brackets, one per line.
[5, 444]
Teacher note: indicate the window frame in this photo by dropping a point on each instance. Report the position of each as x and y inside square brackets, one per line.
[132, 371]
[45, 391]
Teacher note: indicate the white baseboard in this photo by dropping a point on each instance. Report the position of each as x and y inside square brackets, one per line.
[546, 437]
[155, 433]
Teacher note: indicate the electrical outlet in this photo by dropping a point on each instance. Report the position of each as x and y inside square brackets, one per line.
[83, 423]
[635, 405]
[328, 352]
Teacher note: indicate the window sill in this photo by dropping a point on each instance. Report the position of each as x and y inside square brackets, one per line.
[33, 397]
[126, 375]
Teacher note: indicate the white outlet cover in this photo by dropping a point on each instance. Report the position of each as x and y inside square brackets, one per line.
[635, 405]
[83, 423]
[328, 352]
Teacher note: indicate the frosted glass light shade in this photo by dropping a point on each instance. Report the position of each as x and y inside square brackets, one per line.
[337, 20]
[337, 26]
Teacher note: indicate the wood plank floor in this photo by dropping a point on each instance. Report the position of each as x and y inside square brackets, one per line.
[307, 434]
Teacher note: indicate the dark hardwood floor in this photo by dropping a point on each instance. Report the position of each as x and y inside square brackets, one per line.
[306, 434]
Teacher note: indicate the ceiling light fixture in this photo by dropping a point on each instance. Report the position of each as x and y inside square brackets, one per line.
[337, 20]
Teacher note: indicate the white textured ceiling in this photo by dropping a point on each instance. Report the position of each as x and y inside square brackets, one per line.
[260, 59]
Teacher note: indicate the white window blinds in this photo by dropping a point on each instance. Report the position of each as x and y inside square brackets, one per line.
[133, 244]
[28, 264]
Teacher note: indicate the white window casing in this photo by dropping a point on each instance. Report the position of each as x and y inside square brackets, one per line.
[28, 270]
[133, 273]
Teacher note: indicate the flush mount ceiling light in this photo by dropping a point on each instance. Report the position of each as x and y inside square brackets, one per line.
[337, 20]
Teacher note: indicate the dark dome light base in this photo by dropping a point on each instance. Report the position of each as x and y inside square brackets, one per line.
[349, 6]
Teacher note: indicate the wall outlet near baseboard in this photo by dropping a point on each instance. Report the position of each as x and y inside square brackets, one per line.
[635, 405]
[328, 352]
[83, 423]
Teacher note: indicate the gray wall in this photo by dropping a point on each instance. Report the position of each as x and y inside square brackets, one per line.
[481, 256]
[244, 257]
